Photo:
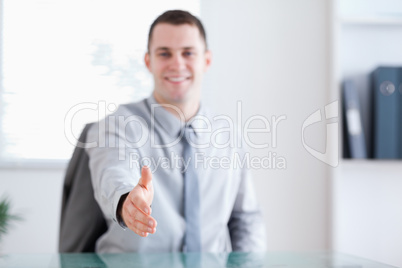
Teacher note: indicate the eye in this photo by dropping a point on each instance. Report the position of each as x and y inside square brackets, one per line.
[164, 54]
[188, 53]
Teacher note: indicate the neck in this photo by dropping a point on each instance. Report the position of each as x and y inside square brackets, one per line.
[188, 109]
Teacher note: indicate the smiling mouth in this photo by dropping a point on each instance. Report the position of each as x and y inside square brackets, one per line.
[177, 79]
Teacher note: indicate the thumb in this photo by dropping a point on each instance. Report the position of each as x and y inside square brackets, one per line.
[146, 177]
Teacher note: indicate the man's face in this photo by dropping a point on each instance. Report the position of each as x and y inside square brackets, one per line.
[177, 59]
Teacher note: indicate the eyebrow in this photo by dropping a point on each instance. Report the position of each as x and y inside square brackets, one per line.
[166, 48]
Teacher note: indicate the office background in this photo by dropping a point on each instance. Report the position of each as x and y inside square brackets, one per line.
[277, 58]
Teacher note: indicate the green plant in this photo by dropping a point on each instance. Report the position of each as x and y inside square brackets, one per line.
[6, 218]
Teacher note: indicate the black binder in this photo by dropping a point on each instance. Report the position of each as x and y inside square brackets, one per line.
[354, 134]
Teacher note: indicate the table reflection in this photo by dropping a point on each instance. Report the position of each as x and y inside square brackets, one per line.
[324, 259]
[163, 260]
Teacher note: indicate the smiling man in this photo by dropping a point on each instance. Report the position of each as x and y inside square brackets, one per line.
[178, 58]
[186, 204]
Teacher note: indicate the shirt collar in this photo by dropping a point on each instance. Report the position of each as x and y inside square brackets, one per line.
[172, 124]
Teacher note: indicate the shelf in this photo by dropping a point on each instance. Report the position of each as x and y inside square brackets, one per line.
[370, 160]
[371, 21]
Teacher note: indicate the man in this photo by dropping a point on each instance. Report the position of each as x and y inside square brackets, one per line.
[178, 202]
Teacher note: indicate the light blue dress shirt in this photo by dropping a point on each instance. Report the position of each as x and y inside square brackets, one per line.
[145, 133]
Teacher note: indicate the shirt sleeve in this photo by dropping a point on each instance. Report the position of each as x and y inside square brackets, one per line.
[109, 162]
[246, 224]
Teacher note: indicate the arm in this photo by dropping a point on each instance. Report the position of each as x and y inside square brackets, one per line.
[246, 225]
[116, 189]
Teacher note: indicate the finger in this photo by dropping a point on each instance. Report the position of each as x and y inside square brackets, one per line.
[139, 228]
[132, 212]
[146, 177]
[146, 220]
[139, 232]
[143, 228]
[131, 224]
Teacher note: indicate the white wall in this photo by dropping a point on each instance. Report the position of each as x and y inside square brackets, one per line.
[36, 196]
[271, 55]
[367, 210]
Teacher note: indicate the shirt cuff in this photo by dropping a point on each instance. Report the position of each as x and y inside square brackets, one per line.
[118, 216]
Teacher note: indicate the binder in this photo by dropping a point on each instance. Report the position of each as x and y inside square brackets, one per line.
[387, 116]
[354, 134]
[399, 93]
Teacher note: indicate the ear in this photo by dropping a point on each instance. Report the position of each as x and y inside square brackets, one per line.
[147, 61]
[208, 59]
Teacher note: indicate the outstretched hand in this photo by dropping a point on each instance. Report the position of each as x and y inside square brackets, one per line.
[136, 211]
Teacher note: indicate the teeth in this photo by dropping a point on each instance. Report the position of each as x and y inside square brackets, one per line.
[176, 79]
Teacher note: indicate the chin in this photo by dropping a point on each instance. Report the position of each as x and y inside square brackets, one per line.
[176, 95]
[179, 97]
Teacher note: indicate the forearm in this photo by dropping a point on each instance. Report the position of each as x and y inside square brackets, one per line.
[111, 177]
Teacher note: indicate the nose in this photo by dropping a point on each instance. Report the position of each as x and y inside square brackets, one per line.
[177, 62]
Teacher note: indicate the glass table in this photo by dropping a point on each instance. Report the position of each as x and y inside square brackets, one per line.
[193, 260]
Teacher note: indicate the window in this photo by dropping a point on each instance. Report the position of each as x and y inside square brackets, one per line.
[57, 55]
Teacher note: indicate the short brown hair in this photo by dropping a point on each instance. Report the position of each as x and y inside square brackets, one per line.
[178, 17]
